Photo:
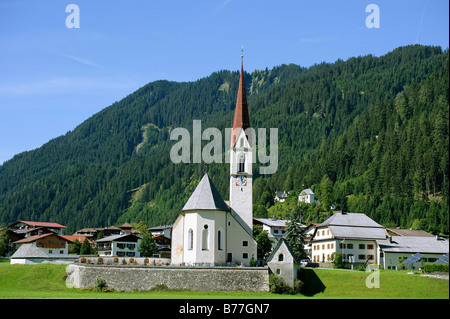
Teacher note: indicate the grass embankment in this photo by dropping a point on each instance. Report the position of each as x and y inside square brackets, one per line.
[48, 281]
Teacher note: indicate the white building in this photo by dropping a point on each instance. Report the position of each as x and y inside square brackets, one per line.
[283, 262]
[354, 235]
[208, 231]
[280, 196]
[394, 248]
[275, 228]
[306, 196]
[125, 245]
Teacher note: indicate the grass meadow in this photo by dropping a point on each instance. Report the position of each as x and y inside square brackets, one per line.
[48, 281]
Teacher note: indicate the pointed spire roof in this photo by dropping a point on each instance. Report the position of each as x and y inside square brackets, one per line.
[205, 197]
[241, 118]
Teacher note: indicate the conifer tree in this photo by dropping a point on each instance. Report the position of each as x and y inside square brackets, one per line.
[295, 234]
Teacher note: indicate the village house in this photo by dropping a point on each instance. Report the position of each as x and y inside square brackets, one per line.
[124, 245]
[307, 196]
[50, 243]
[165, 230]
[394, 249]
[94, 233]
[280, 196]
[275, 228]
[354, 235]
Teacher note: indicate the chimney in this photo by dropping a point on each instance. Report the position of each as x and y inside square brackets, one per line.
[390, 239]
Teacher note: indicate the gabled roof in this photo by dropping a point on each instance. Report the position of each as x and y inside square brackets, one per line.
[307, 191]
[39, 224]
[409, 232]
[280, 242]
[29, 251]
[36, 237]
[353, 226]
[350, 220]
[409, 244]
[272, 222]
[117, 237]
[205, 197]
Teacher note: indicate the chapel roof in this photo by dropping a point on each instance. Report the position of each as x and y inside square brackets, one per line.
[205, 197]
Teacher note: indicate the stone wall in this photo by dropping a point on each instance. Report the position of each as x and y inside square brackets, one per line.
[128, 278]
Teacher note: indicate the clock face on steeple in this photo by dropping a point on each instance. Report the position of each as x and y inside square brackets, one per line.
[241, 180]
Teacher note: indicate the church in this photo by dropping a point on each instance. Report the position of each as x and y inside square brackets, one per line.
[210, 231]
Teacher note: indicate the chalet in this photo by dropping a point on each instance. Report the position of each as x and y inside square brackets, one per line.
[94, 233]
[354, 235]
[31, 228]
[125, 245]
[50, 243]
[165, 230]
[280, 196]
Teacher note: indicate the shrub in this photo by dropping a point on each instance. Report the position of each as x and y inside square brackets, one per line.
[298, 285]
[100, 260]
[435, 268]
[100, 284]
[159, 287]
[279, 286]
[253, 262]
[83, 260]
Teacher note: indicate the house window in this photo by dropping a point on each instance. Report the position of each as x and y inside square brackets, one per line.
[280, 257]
[245, 256]
[190, 239]
[61, 252]
[278, 271]
[362, 246]
[361, 256]
[369, 246]
[245, 243]
[349, 246]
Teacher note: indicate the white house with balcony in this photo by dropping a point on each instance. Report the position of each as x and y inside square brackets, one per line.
[354, 235]
[125, 245]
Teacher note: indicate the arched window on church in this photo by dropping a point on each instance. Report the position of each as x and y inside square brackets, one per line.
[241, 164]
[219, 240]
[205, 238]
[190, 239]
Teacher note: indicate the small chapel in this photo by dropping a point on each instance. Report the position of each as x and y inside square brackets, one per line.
[210, 231]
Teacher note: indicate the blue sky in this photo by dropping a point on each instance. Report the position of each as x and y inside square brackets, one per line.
[52, 78]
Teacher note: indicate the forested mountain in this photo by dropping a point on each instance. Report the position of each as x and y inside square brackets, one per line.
[369, 134]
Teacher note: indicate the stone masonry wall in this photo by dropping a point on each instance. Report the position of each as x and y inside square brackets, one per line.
[128, 278]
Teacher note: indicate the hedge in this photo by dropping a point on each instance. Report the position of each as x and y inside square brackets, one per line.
[435, 268]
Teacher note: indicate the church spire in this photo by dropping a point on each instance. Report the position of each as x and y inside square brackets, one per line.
[241, 118]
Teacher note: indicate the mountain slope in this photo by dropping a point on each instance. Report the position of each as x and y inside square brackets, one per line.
[93, 176]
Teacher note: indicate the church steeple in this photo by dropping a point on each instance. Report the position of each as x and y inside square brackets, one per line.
[241, 118]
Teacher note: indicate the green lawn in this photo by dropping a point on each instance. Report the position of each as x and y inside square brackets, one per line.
[48, 281]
